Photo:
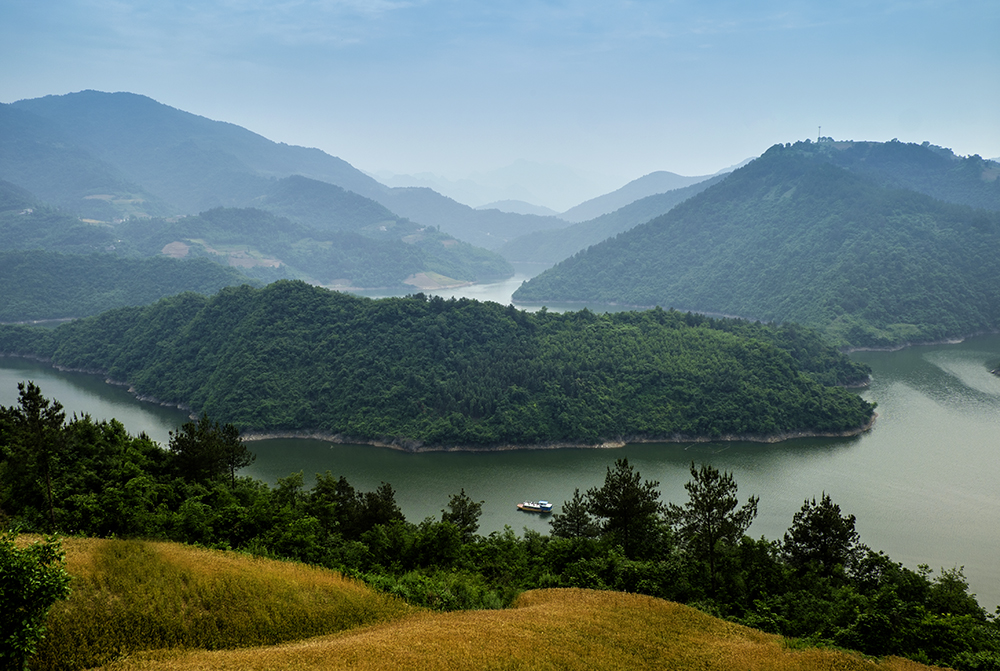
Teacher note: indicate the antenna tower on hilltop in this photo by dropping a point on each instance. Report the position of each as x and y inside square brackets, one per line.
[819, 134]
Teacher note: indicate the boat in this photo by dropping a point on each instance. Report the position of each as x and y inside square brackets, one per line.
[535, 507]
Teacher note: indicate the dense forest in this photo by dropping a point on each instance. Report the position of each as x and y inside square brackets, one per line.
[819, 584]
[792, 237]
[414, 370]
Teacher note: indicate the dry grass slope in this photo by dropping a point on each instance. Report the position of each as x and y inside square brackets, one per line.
[548, 630]
[129, 596]
[144, 605]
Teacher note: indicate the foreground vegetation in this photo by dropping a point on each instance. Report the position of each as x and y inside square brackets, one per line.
[819, 584]
[416, 371]
[547, 629]
[129, 596]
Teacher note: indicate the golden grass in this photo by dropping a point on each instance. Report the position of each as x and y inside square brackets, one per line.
[546, 630]
[129, 596]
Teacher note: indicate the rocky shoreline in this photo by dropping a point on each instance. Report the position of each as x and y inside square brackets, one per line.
[415, 446]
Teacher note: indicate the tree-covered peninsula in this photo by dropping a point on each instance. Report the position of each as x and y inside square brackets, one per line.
[836, 236]
[419, 372]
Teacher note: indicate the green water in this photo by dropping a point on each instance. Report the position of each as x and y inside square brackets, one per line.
[924, 483]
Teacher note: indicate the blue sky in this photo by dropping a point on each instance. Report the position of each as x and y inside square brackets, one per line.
[611, 88]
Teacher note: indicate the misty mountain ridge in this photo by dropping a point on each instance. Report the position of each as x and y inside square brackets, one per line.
[519, 207]
[130, 149]
[817, 233]
[552, 186]
[552, 246]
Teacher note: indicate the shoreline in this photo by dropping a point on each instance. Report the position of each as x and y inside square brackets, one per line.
[417, 447]
[414, 446]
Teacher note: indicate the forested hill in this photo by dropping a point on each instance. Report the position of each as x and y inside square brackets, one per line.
[924, 168]
[792, 237]
[415, 371]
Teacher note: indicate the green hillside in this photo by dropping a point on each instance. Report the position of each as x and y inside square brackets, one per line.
[383, 255]
[49, 285]
[550, 247]
[13, 197]
[792, 237]
[435, 372]
[924, 168]
[36, 155]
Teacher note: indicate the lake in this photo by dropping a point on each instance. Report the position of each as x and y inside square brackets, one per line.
[924, 483]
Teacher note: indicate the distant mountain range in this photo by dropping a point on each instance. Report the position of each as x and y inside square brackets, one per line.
[877, 244]
[542, 184]
[119, 154]
[519, 207]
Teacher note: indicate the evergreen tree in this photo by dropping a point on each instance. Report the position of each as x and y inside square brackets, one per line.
[821, 539]
[709, 524]
[629, 507]
[203, 450]
[464, 513]
[574, 521]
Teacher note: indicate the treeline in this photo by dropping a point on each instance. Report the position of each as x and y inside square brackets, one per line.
[791, 237]
[49, 285]
[819, 583]
[425, 371]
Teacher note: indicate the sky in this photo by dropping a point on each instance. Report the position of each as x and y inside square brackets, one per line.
[610, 89]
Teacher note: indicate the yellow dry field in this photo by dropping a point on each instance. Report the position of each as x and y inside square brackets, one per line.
[565, 629]
[119, 585]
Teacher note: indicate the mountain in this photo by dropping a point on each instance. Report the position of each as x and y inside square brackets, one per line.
[413, 371]
[37, 156]
[393, 254]
[519, 207]
[13, 197]
[556, 185]
[323, 206]
[648, 185]
[127, 144]
[925, 168]
[793, 236]
[550, 247]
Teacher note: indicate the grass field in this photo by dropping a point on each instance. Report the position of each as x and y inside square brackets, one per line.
[129, 596]
[139, 605]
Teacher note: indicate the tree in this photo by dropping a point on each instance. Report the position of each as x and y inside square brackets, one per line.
[37, 442]
[464, 513]
[630, 507]
[820, 538]
[575, 520]
[710, 523]
[379, 507]
[203, 450]
[31, 580]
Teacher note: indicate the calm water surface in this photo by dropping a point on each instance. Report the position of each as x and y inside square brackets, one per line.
[924, 483]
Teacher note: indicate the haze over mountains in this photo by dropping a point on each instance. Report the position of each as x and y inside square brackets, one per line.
[877, 244]
[180, 163]
[158, 160]
[850, 237]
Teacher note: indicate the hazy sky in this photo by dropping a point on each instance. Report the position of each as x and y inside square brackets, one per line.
[464, 86]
